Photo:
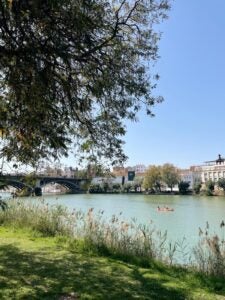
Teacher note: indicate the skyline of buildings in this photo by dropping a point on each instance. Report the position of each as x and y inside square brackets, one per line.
[209, 170]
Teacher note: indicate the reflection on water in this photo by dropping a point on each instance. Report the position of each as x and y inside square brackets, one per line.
[190, 212]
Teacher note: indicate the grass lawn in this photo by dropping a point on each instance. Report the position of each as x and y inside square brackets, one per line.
[34, 267]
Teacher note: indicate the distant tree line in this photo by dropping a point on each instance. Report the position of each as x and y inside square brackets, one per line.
[157, 178]
[108, 186]
[210, 187]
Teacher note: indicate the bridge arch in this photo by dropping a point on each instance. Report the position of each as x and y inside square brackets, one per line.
[17, 184]
[72, 186]
[18, 181]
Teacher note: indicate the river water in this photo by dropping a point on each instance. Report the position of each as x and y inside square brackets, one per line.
[190, 212]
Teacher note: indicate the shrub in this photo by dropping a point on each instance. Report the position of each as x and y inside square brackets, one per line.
[197, 187]
[38, 217]
[95, 188]
[209, 188]
[3, 205]
[210, 185]
[221, 183]
[115, 236]
[183, 187]
[210, 253]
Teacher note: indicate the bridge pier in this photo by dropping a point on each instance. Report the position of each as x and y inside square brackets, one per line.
[37, 191]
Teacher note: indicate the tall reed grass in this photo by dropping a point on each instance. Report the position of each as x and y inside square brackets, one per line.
[115, 235]
[209, 253]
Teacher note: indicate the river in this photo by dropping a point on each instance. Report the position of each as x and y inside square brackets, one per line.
[190, 212]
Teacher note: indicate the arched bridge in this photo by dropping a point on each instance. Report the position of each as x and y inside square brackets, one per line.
[74, 185]
[19, 182]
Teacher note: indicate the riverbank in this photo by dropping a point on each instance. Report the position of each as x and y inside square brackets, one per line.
[36, 267]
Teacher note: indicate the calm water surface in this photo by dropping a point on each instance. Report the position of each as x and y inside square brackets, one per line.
[190, 212]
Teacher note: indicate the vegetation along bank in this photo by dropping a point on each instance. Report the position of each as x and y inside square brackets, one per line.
[50, 253]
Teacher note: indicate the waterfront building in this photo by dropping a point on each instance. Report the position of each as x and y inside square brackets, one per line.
[109, 180]
[139, 170]
[119, 171]
[69, 172]
[53, 188]
[187, 175]
[51, 171]
[190, 175]
[211, 170]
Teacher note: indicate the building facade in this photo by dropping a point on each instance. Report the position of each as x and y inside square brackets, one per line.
[211, 170]
[139, 170]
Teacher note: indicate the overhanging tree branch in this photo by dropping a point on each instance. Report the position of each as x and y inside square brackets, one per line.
[75, 70]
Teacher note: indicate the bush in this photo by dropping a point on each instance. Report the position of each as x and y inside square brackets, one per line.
[221, 183]
[38, 217]
[115, 237]
[210, 253]
[197, 187]
[210, 185]
[3, 205]
[183, 187]
[95, 188]
[209, 188]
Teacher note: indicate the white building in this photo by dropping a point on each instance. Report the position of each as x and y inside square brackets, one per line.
[139, 169]
[212, 170]
[68, 172]
[190, 175]
[110, 180]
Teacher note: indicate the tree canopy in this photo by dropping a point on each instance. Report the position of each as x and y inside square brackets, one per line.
[183, 187]
[170, 175]
[72, 71]
[153, 178]
[197, 185]
[221, 183]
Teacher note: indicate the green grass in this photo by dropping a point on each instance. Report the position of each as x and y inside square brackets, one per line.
[115, 236]
[36, 267]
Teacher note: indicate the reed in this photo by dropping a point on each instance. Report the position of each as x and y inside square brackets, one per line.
[116, 236]
[209, 254]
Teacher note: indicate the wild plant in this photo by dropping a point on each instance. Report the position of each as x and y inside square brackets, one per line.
[209, 254]
[115, 235]
[3, 205]
[36, 216]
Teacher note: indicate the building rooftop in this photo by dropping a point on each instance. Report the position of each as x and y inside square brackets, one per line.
[218, 161]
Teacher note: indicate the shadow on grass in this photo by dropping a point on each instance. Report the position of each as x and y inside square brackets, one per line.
[192, 279]
[42, 275]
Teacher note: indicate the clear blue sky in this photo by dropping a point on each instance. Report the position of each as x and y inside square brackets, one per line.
[189, 126]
